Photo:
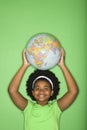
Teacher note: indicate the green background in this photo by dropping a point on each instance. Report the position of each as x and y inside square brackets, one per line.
[19, 20]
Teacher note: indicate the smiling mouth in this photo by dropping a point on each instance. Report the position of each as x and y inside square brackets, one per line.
[41, 96]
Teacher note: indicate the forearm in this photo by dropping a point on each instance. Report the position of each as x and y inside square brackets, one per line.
[72, 90]
[70, 81]
[14, 85]
[19, 100]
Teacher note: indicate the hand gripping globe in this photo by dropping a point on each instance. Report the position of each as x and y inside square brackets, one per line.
[43, 51]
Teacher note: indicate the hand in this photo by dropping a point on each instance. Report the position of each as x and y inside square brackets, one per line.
[25, 62]
[62, 59]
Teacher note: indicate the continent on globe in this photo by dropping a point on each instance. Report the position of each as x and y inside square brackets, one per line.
[43, 51]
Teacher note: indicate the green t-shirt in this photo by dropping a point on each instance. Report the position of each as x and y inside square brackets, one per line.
[39, 117]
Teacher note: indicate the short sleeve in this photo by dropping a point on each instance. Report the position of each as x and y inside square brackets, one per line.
[28, 107]
[57, 108]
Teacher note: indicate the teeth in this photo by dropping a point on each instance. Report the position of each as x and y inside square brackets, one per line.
[41, 95]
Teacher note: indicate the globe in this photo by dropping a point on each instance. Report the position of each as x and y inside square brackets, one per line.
[43, 51]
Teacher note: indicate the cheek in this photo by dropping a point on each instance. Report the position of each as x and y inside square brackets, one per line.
[48, 92]
[34, 93]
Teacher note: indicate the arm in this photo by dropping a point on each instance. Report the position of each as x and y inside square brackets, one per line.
[69, 97]
[15, 95]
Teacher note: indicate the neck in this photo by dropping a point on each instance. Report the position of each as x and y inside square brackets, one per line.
[42, 103]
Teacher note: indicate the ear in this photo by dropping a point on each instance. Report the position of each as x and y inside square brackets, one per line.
[52, 92]
[32, 92]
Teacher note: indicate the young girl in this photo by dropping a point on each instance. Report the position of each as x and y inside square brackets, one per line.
[43, 111]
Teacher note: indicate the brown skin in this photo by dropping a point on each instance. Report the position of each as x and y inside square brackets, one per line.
[42, 92]
[72, 88]
[64, 102]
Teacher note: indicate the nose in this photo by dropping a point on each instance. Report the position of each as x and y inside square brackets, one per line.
[41, 91]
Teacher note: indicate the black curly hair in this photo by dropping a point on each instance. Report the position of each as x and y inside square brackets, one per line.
[48, 74]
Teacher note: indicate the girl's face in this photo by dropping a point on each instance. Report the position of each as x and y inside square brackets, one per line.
[42, 92]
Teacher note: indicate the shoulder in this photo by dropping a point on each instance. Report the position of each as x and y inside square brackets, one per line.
[29, 105]
[54, 103]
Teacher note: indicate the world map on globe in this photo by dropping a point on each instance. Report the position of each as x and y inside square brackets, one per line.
[43, 51]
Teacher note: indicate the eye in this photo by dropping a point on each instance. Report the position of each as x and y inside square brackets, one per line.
[46, 88]
[37, 88]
